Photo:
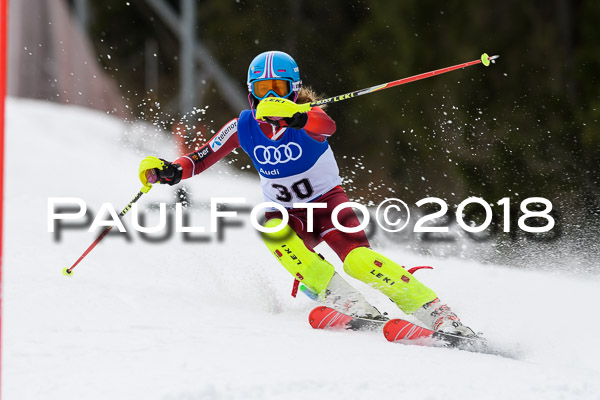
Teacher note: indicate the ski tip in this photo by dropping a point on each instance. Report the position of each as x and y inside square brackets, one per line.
[67, 272]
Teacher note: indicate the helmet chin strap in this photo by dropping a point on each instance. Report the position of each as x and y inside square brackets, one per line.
[250, 101]
[253, 109]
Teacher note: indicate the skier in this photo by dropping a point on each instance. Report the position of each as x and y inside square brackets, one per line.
[287, 142]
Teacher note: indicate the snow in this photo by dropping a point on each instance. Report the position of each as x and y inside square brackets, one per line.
[214, 319]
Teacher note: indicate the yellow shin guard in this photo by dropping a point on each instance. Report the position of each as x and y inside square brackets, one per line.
[305, 265]
[389, 278]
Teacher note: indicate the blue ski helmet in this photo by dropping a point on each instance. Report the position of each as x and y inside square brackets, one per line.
[273, 67]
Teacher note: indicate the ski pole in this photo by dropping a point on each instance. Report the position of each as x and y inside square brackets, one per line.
[69, 271]
[485, 60]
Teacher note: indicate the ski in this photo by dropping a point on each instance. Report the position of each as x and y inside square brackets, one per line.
[402, 331]
[399, 330]
[395, 330]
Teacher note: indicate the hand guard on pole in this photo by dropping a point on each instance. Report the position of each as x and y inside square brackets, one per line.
[278, 107]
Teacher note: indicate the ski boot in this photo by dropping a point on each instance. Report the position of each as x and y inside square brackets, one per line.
[439, 317]
[316, 273]
[342, 297]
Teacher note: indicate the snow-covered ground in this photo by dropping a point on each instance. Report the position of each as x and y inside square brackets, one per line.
[214, 319]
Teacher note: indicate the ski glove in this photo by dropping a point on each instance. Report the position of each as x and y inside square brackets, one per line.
[154, 170]
[279, 108]
[298, 121]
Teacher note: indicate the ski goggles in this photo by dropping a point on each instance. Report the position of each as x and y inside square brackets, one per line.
[277, 87]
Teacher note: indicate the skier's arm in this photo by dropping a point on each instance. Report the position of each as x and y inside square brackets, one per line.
[154, 170]
[319, 125]
[220, 145]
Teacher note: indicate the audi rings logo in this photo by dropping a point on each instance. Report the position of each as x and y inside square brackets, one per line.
[277, 155]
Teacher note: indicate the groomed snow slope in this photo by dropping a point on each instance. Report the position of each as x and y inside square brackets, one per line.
[214, 320]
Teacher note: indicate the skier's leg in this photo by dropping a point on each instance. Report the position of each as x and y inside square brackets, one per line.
[389, 278]
[410, 295]
[314, 271]
[304, 264]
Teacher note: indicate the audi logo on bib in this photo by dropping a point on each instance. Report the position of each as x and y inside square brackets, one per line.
[277, 155]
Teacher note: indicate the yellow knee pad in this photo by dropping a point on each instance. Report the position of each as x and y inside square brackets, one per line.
[304, 264]
[389, 278]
